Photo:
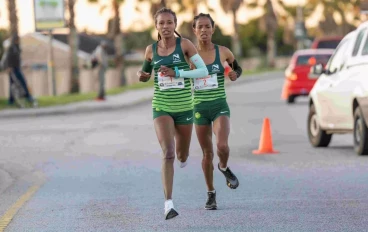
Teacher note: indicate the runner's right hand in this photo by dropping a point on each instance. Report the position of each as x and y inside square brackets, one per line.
[143, 76]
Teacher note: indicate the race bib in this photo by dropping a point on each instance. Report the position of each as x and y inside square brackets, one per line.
[208, 82]
[170, 82]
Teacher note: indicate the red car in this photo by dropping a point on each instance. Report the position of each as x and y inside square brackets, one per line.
[327, 42]
[298, 80]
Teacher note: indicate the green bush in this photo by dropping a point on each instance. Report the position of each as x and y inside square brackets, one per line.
[4, 34]
[219, 38]
[138, 40]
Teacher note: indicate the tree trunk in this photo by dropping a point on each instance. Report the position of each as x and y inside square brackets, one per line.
[192, 36]
[13, 18]
[271, 26]
[271, 49]
[119, 44]
[236, 45]
[344, 23]
[74, 46]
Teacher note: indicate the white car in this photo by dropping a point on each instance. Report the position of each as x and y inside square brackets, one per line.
[338, 102]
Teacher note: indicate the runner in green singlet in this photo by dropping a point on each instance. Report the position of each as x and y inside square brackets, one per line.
[210, 105]
[172, 101]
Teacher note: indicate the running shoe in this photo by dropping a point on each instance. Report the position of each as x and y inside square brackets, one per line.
[211, 201]
[231, 180]
[170, 212]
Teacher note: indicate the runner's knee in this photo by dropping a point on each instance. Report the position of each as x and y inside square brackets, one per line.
[207, 155]
[222, 147]
[168, 153]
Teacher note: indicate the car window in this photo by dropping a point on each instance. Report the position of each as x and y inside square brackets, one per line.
[365, 47]
[331, 44]
[358, 41]
[338, 58]
[313, 59]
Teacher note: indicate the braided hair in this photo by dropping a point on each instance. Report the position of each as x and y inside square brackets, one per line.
[166, 10]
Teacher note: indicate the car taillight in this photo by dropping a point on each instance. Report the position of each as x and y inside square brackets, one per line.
[292, 77]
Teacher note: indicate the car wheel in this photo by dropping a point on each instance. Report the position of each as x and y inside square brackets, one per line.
[317, 136]
[291, 99]
[360, 133]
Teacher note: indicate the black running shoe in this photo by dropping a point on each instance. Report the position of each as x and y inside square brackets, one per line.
[231, 179]
[211, 201]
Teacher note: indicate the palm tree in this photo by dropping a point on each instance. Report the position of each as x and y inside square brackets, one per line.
[115, 33]
[156, 5]
[192, 6]
[270, 25]
[13, 18]
[233, 6]
[328, 25]
[290, 14]
[74, 45]
[341, 7]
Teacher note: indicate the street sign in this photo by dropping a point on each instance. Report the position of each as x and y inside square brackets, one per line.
[49, 14]
[300, 32]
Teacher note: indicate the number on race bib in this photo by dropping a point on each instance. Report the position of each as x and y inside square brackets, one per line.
[208, 82]
[170, 82]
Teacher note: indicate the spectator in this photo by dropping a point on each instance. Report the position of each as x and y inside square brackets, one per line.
[100, 55]
[12, 62]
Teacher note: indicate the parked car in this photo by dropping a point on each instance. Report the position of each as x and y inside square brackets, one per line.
[338, 102]
[298, 80]
[327, 42]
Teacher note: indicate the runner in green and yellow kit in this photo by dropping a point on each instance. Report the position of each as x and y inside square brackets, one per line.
[172, 101]
[210, 105]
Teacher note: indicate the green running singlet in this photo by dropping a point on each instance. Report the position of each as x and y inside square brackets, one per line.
[171, 94]
[211, 87]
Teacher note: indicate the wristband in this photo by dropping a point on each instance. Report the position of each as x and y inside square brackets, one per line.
[177, 74]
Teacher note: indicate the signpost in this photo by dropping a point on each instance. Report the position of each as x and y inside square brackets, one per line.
[49, 14]
[300, 32]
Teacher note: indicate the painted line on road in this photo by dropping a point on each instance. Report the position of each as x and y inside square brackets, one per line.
[10, 213]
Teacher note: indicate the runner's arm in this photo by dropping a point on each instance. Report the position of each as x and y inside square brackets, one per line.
[147, 65]
[191, 52]
[232, 61]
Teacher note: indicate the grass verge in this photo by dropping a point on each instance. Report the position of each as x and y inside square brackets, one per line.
[46, 101]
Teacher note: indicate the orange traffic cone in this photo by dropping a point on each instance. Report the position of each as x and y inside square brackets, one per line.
[265, 143]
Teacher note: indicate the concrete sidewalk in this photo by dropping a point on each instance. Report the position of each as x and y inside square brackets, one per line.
[115, 102]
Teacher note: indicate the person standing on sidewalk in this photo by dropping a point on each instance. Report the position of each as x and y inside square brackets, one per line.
[172, 101]
[12, 62]
[211, 111]
[100, 55]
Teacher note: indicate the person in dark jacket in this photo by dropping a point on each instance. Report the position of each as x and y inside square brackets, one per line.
[13, 64]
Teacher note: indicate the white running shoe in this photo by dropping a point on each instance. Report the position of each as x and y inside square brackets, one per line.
[183, 164]
[170, 212]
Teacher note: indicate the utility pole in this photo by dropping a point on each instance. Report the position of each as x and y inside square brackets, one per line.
[51, 65]
[300, 22]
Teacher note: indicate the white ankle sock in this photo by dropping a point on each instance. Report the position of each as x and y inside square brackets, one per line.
[213, 191]
[223, 169]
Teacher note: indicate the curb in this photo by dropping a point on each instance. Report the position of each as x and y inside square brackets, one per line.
[73, 109]
[65, 110]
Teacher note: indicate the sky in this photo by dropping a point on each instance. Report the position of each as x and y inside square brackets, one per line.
[89, 16]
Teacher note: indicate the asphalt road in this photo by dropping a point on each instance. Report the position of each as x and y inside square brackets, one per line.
[101, 172]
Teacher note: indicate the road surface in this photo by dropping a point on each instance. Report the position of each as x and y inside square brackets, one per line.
[101, 172]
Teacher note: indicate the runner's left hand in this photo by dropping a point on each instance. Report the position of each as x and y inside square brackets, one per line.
[233, 76]
[191, 66]
[168, 72]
